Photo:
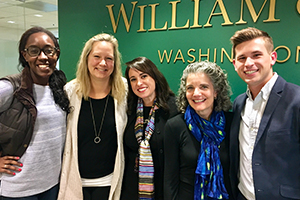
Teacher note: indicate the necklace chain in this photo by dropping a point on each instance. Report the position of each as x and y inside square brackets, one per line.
[97, 135]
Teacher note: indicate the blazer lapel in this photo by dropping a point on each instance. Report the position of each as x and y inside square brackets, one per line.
[274, 98]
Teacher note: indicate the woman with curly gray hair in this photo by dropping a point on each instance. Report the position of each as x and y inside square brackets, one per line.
[196, 141]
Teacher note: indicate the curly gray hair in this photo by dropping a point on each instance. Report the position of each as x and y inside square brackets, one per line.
[218, 78]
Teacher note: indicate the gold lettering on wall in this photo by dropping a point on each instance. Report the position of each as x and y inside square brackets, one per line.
[203, 55]
[153, 13]
[223, 51]
[179, 53]
[272, 12]
[167, 56]
[215, 54]
[161, 57]
[223, 13]
[297, 54]
[123, 12]
[253, 13]
[190, 55]
[288, 51]
[196, 15]
[174, 11]
[142, 18]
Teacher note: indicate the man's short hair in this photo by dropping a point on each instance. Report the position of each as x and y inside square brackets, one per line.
[251, 33]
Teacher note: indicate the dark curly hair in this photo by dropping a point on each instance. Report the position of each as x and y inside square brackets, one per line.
[57, 80]
[162, 89]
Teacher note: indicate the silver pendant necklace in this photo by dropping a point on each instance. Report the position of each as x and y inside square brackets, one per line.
[97, 135]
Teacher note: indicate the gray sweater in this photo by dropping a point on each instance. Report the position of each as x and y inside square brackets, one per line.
[42, 159]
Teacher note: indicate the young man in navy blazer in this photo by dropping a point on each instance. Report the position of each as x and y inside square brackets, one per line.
[265, 132]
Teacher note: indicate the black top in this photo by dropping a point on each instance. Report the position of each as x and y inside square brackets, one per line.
[96, 160]
[130, 180]
[181, 154]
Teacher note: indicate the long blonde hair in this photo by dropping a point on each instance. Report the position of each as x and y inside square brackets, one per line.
[82, 74]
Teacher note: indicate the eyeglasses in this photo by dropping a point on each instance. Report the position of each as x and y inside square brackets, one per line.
[34, 51]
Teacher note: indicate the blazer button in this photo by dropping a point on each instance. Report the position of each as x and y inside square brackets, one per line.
[25, 145]
[158, 131]
[161, 151]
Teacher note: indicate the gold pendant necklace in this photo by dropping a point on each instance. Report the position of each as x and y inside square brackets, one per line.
[97, 135]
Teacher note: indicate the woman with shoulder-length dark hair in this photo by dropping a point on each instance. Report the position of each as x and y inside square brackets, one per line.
[150, 104]
[33, 109]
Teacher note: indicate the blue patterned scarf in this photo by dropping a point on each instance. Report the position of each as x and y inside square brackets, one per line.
[209, 172]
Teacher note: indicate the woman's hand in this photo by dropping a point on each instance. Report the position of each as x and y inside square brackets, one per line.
[10, 165]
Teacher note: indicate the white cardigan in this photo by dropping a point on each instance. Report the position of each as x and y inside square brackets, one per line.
[70, 181]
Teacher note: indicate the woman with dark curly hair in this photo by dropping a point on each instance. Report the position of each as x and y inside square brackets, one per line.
[196, 141]
[33, 109]
[150, 104]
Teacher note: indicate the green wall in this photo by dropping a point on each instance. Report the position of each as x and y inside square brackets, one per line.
[79, 20]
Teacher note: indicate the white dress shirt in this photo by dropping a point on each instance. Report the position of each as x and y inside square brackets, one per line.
[251, 117]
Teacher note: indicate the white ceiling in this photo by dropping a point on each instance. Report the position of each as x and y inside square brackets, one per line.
[26, 14]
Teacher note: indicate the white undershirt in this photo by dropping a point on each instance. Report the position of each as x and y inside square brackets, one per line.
[251, 118]
[97, 182]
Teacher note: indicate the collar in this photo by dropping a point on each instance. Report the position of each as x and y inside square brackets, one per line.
[266, 90]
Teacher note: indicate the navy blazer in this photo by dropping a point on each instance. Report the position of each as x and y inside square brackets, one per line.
[276, 153]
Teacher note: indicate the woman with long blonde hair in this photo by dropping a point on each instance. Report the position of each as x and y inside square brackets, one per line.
[92, 163]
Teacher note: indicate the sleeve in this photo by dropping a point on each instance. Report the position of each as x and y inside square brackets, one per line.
[6, 95]
[172, 162]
